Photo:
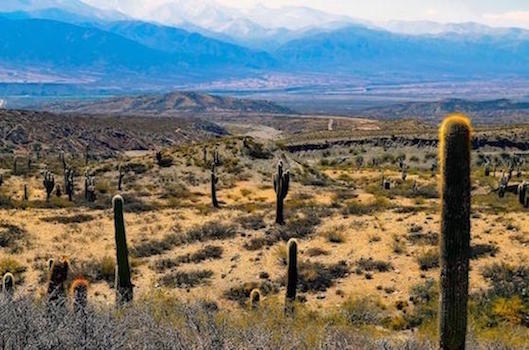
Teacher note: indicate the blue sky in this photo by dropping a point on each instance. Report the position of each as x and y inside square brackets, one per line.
[492, 12]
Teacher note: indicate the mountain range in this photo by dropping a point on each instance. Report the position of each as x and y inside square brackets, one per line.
[188, 42]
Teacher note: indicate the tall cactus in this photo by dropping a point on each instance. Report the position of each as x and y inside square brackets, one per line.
[123, 284]
[49, 183]
[214, 181]
[454, 154]
[8, 285]
[56, 295]
[292, 275]
[69, 183]
[281, 184]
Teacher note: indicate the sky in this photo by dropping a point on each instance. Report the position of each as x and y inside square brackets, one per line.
[491, 12]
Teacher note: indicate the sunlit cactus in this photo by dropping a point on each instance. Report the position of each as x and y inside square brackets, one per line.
[56, 294]
[79, 292]
[49, 183]
[255, 299]
[454, 155]
[8, 285]
[123, 284]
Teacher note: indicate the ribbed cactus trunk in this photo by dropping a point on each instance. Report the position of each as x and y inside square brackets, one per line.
[281, 185]
[56, 294]
[292, 275]
[123, 284]
[454, 154]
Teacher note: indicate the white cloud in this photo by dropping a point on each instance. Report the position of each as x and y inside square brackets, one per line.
[508, 19]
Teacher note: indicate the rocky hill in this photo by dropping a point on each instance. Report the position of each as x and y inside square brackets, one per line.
[27, 130]
[500, 111]
[171, 104]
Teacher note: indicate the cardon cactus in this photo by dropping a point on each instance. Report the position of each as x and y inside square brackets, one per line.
[214, 181]
[123, 284]
[26, 195]
[255, 298]
[79, 292]
[454, 155]
[69, 183]
[90, 188]
[121, 174]
[281, 184]
[8, 285]
[49, 183]
[292, 275]
[56, 295]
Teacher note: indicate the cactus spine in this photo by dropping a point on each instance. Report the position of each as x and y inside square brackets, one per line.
[214, 181]
[281, 184]
[79, 292]
[454, 154]
[8, 285]
[255, 299]
[292, 275]
[56, 295]
[123, 284]
[49, 183]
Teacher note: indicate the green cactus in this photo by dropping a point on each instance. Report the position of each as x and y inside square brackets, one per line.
[281, 185]
[8, 285]
[292, 275]
[123, 284]
[214, 181]
[454, 155]
[255, 298]
[56, 294]
[49, 183]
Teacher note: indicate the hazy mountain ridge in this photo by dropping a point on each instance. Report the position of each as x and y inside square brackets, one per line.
[171, 104]
[499, 111]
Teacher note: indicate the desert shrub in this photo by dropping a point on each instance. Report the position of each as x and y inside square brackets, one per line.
[428, 260]
[73, 219]
[186, 279]
[424, 297]
[317, 277]
[136, 205]
[481, 250]
[241, 293]
[208, 252]
[103, 186]
[152, 247]
[255, 149]
[136, 167]
[370, 264]
[252, 222]
[210, 231]
[360, 208]
[423, 238]
[315, 251]
[312, 177]
[334, 234]
[10, 264]
[175, 191]
[96, 270]
[13, 237]
[364, 311]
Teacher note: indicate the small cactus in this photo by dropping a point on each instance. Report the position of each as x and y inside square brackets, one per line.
[49, 183]
[79, 292]
[90, 188]
[26, 195]
[8, 285]
[1, 180]
[214, 181]
[205, 155]
[121, 174]
[56, 295]
[292, 275]
[281, 185]
[216, 159]
[123, 284]
[255, 298]
[69, 183]
[454, 155]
